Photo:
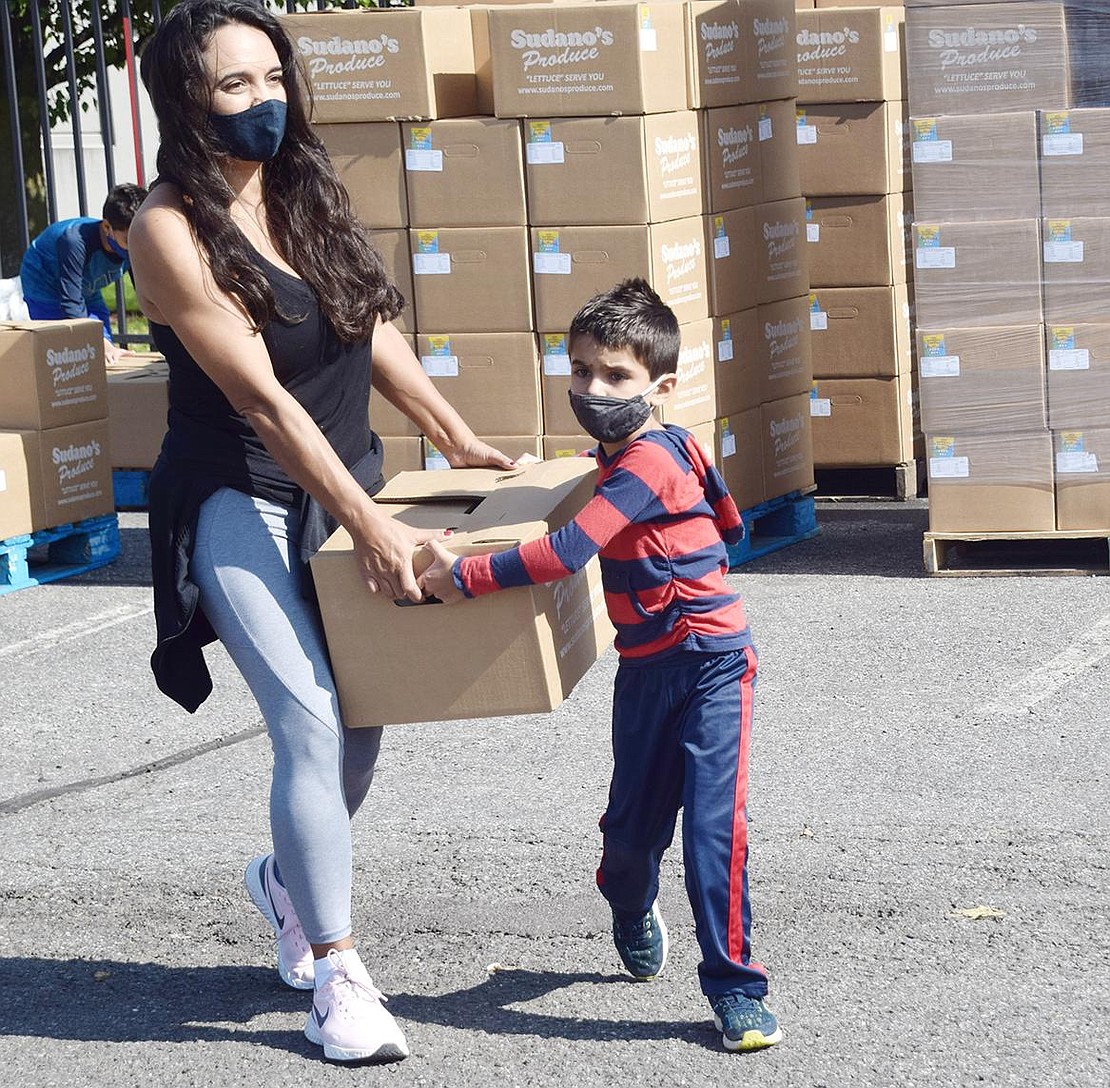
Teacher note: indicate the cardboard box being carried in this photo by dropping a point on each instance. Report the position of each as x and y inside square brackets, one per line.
[138, 401]
[581, 60]
[852, 148]
[862, 421]
[65, 476]
[367, 158]
[1078, 376]
[471, 279]
[516, 652]
[861, 332]
[464, 172]
[53, 373]
[385, 65]
[597, 171]
[991, 482]
[851, 55]
[978, 166]
[987, 58]
[570, 264]
[981, 380]
[1082, 479]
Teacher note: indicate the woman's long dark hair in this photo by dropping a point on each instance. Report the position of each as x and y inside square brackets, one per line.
[308, 211]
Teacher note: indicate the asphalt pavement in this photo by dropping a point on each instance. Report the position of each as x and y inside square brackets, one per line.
[930, 865]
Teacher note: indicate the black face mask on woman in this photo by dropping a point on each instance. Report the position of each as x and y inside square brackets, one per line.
[252, 135]
[612, 419]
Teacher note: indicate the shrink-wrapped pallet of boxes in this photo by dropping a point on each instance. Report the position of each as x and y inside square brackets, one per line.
[1010, 145]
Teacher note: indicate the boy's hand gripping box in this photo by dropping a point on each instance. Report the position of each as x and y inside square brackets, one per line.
[515, 652]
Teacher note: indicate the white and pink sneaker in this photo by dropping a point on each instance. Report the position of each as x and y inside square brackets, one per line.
[294, 953]
[347, 1017]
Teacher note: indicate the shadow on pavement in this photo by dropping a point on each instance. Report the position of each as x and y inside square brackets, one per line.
[485, 1008]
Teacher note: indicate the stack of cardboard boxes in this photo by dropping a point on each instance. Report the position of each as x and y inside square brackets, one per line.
[1012, 253]
[55, 465]
[853, 155]
[585, 144]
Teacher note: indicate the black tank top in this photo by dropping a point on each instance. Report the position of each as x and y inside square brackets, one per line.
[329, 378]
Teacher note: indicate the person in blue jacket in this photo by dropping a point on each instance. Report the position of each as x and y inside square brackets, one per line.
[72, 261]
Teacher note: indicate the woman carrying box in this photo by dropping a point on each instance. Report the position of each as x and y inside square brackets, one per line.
[273, 311]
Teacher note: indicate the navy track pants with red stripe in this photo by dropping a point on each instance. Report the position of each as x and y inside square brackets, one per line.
[681, 734]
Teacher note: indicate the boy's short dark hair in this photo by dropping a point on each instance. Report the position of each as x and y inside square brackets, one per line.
[121, 205]
[631, 315]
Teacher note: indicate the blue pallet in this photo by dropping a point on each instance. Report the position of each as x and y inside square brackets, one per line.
[62, 552]
[131, 488]
[775, 524]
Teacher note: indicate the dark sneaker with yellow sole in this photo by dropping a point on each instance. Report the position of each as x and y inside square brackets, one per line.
[641, 942]
[745, 1023]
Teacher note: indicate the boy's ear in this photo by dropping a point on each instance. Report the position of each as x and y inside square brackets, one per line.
[664, 390]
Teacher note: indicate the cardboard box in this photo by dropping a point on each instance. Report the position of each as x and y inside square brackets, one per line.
[861, 332]
[582, 60]
[401, 455]
[975, 274]
[858, 241]
[138, 403]
[1074, 150]
[558, 418]
[370, 165]
[861, 421]
[695, 397]
[783, 361]
[389, 422]
[741, 51]
[787, 441]
[566, 445]
[736, 353]
[596, 171]
[738, 455]
[991, 482]
[986, 58]
[491, 378]
[852, 148]
[982, 380]
[730, 242]
[66, 475]
[471, 279]
[975, 167]
[782, 260]
[16, 516]
[393, 245]
[1076, 270]
[1078, 376]
[516, 652]
[464, 172]
[1082, 479]
[53, 373]
[571, 264]
[751, 155]
[386, 64]
[851, 55]
[513, 445]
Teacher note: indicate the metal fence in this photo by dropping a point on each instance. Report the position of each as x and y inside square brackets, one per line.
[67, 63]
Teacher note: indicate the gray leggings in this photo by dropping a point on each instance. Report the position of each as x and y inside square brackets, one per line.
[244, 562]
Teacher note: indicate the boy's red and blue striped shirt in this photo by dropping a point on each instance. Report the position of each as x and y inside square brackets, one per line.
[660, 518]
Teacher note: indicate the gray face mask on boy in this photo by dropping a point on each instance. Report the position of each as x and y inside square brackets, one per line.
[612, 419]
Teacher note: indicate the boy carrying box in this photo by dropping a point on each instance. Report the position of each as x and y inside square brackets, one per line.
[682, 704]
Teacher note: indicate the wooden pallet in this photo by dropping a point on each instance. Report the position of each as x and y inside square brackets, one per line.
[901, 482]
[1008, 554]
[62, 552]
[131, 488]
[775, 524]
